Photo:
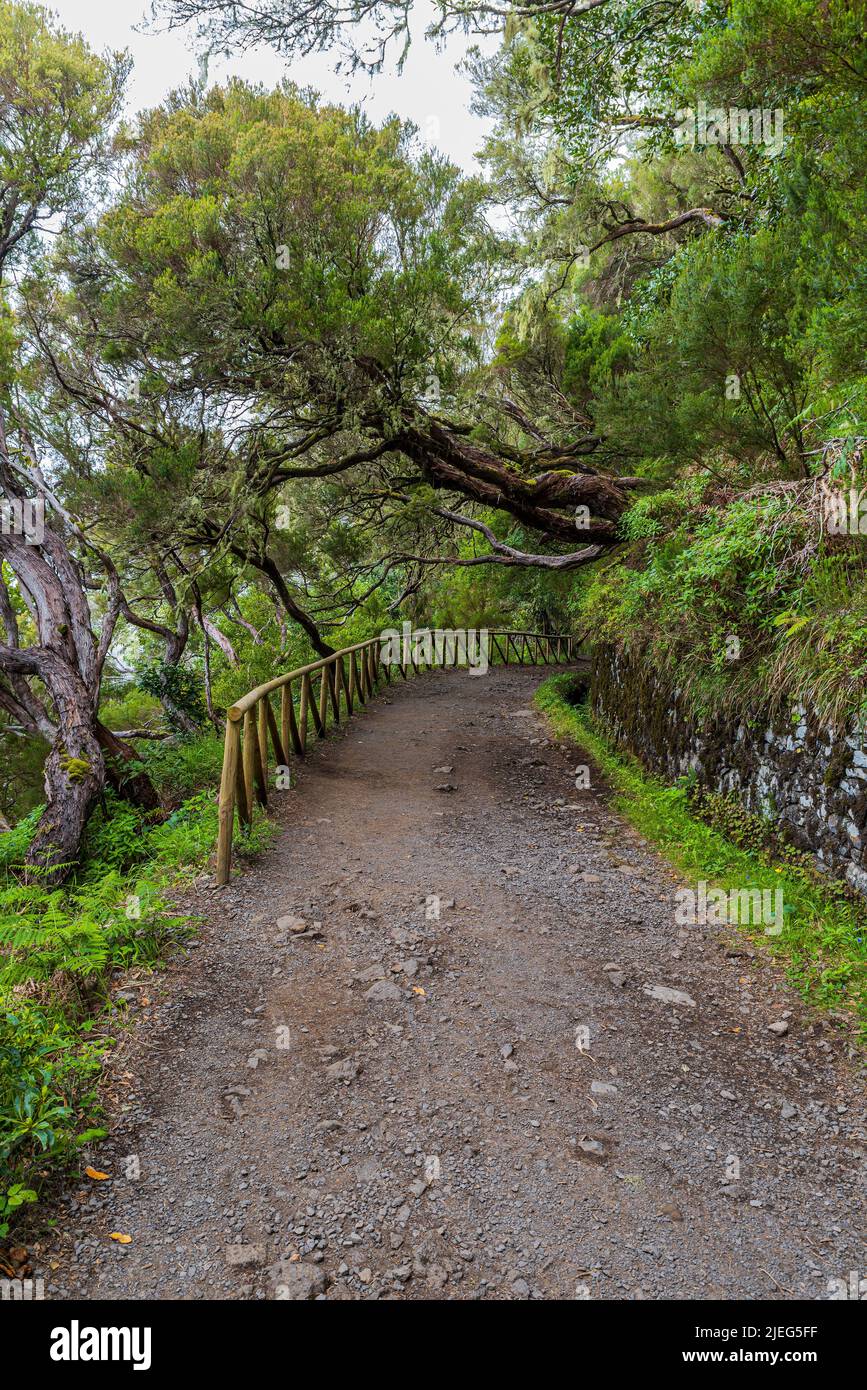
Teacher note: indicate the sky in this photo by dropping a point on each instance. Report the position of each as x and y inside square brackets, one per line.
[429, 91]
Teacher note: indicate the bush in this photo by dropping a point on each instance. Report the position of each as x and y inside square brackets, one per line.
[48, 1078]
[59, 949]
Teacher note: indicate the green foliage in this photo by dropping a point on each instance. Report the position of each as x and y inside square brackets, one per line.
[179, 687]
[58, 100]
[48, 1077]
[60, 949]
[722, 359]
[180, 767]
[596, 352]
[709, 567]
[128, 707]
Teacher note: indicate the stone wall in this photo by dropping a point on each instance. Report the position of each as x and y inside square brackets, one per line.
[811, 781]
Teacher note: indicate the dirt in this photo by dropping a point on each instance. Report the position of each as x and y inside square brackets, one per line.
[277, 1134]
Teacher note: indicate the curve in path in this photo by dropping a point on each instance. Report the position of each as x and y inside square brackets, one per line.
[398, 1099]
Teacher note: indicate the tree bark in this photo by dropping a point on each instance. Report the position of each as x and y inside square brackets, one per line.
[546, 502]
[74, 778]
[129, 781]
[68, 659]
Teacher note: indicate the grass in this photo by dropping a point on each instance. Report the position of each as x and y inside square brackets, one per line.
[823, 944]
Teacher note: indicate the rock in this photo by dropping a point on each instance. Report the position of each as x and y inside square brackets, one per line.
[260, 1055]
[444, 769]
[592, 1149]
[781, 1028]
[291, 923]
[384, 992]
[590, 878]
[298, 1282]
[788, 1111]
[408, 967]
[242, 1255]
[602, 1088]
[520, 1288]
[347, 1070]
[506, 1051]
[671, 1211]
[327, 1127]
[373, 972]
[446, 787]
[617, 977]
[437, 1277]
[670, 996]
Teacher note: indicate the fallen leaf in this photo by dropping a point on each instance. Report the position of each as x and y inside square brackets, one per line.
[95, 1173]
[121, 1239]
[417, 989]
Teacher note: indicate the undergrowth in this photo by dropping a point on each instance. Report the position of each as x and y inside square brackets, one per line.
[60, 949]
[742, 602]
[823, 944]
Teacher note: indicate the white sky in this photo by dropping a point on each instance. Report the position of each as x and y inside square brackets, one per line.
[429, 92]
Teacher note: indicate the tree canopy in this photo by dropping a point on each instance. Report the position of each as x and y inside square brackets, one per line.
[274, 368]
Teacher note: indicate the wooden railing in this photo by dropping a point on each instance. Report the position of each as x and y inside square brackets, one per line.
[351, 675]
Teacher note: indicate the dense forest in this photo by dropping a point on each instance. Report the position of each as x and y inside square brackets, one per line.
[274, 378]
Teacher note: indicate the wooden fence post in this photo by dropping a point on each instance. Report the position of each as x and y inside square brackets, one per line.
[231, 754]
[323, 703]
[260, 762]
[249, 757]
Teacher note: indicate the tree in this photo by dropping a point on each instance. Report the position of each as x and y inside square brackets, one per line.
[57, 102]
[290, 279]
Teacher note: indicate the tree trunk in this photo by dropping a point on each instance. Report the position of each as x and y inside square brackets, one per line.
[74, 778]
[130, 782]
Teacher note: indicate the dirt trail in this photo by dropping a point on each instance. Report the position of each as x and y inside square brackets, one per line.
[466, 1148]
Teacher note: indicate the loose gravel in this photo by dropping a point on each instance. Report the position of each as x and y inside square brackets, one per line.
[446, 1041]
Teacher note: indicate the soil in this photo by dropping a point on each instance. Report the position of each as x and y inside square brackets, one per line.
[402, 1101]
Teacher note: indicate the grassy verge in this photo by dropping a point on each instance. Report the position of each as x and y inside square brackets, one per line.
[62, 949]
[823, 944]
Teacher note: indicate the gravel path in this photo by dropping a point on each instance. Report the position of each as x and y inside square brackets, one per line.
[393, 1105]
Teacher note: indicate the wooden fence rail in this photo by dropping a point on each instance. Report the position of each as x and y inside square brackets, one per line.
[312, 695]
